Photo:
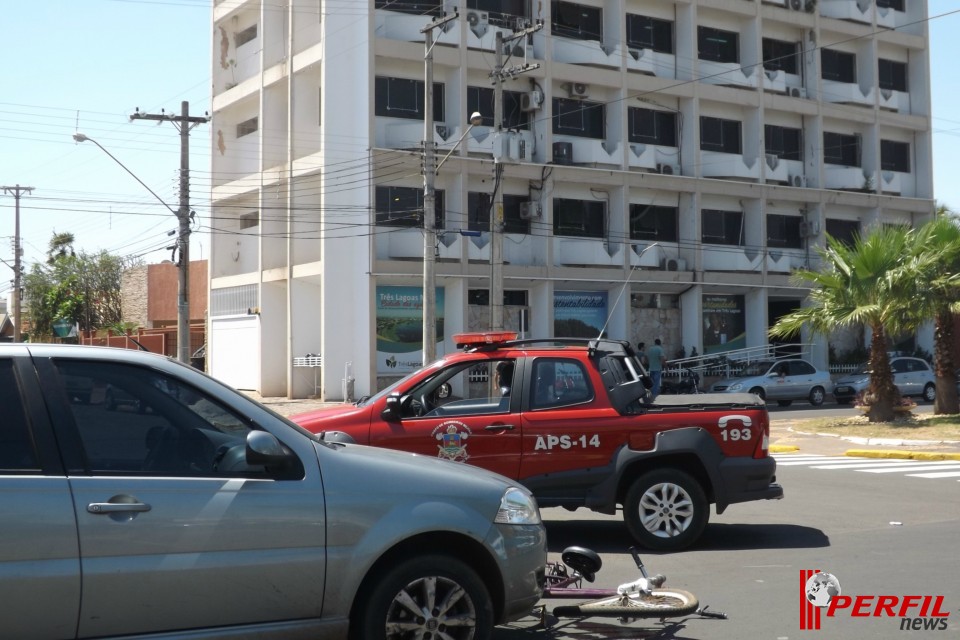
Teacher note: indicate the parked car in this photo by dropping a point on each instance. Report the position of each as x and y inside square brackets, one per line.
[210, 516]
[912, 377]
[572, 419]
[780, 380]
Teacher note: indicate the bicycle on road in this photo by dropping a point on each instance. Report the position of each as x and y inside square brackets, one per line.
[645, 597]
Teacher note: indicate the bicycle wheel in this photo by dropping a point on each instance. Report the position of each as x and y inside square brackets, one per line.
[660, 603]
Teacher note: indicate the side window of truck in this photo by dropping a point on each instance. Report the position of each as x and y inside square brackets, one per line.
[17, 453]
[559, 382]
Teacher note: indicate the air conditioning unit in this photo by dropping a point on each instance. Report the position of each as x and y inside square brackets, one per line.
[530, 210]
[798, 181]
[673, 264]
[479, 22]
[531, 100]
[796, 5]
[809, 229]
[810, 6]
[577, 89]
[562, 153]
[797, 92]
[667, 169]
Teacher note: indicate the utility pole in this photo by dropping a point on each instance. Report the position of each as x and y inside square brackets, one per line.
[16, 259]
[429, 199]
[184, 122]
[496, 212]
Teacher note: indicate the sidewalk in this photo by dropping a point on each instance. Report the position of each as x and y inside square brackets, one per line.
[784, 437]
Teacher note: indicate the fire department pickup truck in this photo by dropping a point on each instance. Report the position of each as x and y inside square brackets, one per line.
[572, 419]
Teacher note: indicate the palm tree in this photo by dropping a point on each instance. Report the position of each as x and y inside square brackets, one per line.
[936, 253]
[61, 246]
[866, 284]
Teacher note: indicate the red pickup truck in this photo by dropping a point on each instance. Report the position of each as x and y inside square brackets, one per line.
[572, 419]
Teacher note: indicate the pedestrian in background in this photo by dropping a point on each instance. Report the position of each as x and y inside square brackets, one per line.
[657, 361]
[641, 353]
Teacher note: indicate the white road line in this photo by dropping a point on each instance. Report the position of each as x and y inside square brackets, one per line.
[873, 464]
[943, 466]
[942, 474]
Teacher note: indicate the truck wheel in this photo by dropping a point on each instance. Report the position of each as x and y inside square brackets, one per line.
[429, 596]
[666, 510]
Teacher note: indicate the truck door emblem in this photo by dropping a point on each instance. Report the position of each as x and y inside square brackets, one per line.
[452, 437]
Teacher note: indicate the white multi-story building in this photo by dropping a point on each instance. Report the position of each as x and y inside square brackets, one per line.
[663, 165]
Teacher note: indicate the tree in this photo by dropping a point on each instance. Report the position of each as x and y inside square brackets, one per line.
[865, 284]
[83, 289]
[936, 255]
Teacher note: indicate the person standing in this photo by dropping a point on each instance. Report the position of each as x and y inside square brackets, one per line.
[656, 360]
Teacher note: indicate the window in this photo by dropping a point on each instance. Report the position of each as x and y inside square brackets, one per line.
[644, 32]
[784, 232]
[479, 206]
[579, 118]
[896, 5]
[481, 99]
[245, 36]
[838, 65]
[403, 207]
[842, 149]
[719, 134]
[559, 382]
[140, 421]
[579, 21]
[403, 98]
[249, 220]
[652, 127]
[721, 227]
[784, 142]
[845, 231]
[501, 13]
[654, 223]
[895, 156]
[579, 218]
[893, 75]
[17, 453]
[718, 45]
[779, 55]
[247, 127]
[512, 298]
[416, 7]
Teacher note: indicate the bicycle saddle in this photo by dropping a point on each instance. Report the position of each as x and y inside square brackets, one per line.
[584, 561]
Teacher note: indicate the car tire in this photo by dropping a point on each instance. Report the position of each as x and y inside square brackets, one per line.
[760, 392]
[784, 403]
[666, 510]
[930, 393]
[817, 396]
[390, 595]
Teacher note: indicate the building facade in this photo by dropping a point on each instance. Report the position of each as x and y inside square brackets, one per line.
[657, 168]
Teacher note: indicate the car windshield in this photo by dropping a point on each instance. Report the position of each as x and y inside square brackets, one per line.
[756, 369]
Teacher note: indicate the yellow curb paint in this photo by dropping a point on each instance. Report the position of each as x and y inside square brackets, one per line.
[783, 448]
[902, 455]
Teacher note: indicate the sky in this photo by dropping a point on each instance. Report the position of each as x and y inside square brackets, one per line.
[87, 65]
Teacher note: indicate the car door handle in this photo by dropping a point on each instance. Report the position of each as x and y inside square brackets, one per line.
[115, 507]
[499, 427]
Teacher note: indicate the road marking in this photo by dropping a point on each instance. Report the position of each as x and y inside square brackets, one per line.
[933, 466]
[942, 474]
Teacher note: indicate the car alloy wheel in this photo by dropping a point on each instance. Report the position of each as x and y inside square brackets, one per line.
[665, 510]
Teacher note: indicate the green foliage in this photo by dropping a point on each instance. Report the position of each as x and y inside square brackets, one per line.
[82, 288]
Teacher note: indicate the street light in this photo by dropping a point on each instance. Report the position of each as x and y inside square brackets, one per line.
[429, 229]
[183, 216]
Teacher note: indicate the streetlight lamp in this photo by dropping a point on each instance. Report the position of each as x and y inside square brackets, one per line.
[183, 216]
[429, 219]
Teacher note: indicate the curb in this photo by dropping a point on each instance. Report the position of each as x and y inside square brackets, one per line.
[783, 448]
[902, 455]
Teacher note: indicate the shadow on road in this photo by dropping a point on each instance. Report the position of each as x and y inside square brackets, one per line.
[612, 537]
[591, 629]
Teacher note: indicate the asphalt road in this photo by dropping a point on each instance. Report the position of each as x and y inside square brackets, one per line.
[879, 534]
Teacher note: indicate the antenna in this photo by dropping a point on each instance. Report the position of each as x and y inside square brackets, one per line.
[624, 288]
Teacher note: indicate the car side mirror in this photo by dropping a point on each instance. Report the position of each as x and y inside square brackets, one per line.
[391, 411]
[263, 448]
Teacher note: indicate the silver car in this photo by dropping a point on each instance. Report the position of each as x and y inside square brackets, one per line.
[211, 516]
[912, 377]
[780, 380]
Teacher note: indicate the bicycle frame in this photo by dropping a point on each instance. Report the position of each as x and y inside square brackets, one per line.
[562, 582]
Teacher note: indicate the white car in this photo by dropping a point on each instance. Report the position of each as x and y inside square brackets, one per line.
[780, 380]
[912, 376]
